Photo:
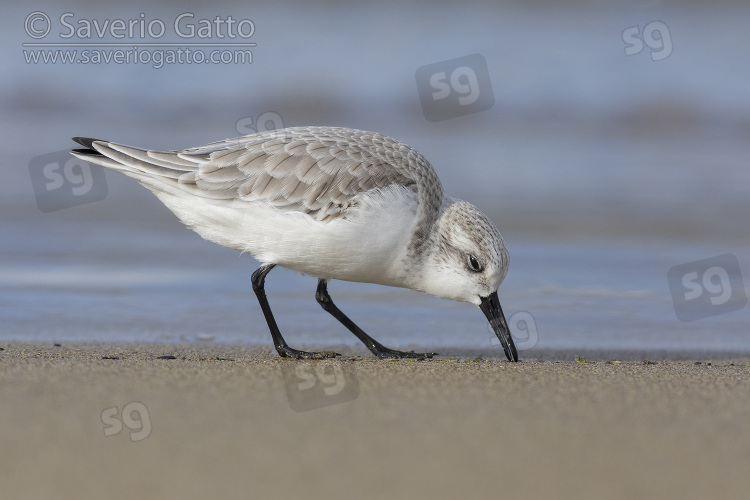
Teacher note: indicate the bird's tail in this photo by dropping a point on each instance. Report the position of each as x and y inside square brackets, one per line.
[157, 170]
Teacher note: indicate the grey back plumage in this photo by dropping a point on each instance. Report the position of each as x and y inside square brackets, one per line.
[315, 170]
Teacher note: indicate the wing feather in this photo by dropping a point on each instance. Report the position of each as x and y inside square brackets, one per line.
[315, 170]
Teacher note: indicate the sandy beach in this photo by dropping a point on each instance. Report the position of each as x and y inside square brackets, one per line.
[608, 145]
[187, 421]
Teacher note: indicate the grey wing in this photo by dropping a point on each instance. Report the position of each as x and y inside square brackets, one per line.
[314, 170]
[318, 171]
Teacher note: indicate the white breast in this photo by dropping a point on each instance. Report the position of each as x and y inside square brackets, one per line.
[368, 245]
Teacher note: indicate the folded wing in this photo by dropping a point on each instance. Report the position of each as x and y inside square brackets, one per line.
[315, 170]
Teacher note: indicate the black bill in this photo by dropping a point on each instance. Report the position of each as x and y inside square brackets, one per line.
[491, 308]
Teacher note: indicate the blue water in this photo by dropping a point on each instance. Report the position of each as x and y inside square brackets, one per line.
[602, 171]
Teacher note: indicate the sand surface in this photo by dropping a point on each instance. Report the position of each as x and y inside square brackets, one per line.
[239, 422]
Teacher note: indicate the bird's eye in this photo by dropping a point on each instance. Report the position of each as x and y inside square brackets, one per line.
[474, 264]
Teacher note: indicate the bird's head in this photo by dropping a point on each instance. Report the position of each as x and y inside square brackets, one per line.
[467, 261]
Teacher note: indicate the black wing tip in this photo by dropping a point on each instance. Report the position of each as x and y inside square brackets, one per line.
[86, 142]
[86, 152]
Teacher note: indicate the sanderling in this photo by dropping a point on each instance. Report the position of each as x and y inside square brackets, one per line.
[334, 203]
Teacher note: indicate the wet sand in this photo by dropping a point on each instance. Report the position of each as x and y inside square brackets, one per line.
[239, 422]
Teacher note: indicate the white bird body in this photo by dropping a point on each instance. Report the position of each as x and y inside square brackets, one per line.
[351, 249]
[334, 203]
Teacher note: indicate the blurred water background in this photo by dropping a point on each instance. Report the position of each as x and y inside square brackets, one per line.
[602, 170]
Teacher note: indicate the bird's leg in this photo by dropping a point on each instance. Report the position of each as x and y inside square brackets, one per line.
[378, 349]
[259, 279]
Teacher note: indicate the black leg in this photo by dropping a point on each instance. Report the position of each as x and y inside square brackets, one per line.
[378, 349]
[259, 280]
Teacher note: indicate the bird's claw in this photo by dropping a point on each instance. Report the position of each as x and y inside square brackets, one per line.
[394, 354]
[288, 352]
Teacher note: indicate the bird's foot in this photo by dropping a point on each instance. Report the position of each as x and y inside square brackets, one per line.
[288, 352]
[386, 353]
